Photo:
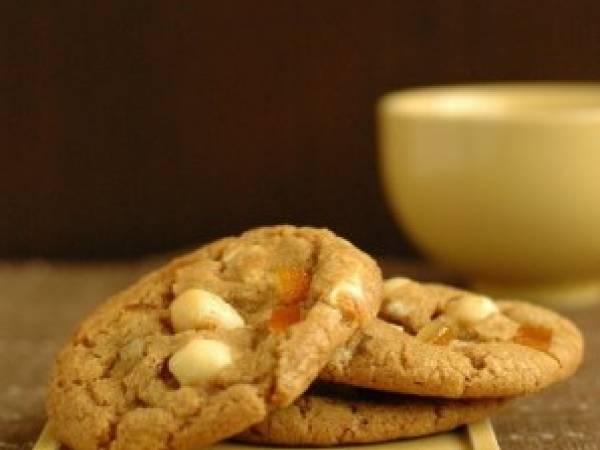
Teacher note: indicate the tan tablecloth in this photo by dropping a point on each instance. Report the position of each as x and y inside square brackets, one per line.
[40, 304]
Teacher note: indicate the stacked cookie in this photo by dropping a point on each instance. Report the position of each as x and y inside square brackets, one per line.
[273, 337]
[458, 356]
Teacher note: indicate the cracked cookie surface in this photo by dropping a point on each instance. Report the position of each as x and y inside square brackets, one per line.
[436, 340]
[334, 414]
[206, 346]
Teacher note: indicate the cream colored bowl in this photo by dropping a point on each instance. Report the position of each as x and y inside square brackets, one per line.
[500, 183]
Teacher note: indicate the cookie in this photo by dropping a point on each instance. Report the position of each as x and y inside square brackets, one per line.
[206, 346]
[334, 415]
[441, 341]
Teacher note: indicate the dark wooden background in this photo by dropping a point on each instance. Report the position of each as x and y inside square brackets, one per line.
[129, 127]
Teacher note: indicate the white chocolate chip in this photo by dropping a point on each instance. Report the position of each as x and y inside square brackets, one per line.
[200, 309]
[395, 311]
[351, 287]
[199, 361]
[391, 284]
[471, 308]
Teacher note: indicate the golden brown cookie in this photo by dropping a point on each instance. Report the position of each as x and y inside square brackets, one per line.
[440, 341]
[201, 349]
[333, 415]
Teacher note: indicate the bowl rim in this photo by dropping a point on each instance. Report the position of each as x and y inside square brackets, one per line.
[520, 101]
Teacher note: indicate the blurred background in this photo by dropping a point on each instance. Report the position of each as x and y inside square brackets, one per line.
[136, 127]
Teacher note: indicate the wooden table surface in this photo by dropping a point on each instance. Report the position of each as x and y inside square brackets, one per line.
[40, 304]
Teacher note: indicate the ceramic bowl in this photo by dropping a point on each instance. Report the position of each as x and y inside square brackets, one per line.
[499, 183]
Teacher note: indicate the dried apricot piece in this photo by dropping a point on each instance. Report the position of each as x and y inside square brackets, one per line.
[292, 284]
[284, 316]
[292, 287]
[534, 336]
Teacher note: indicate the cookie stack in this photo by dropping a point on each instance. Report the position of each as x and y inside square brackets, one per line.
[289, 336]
